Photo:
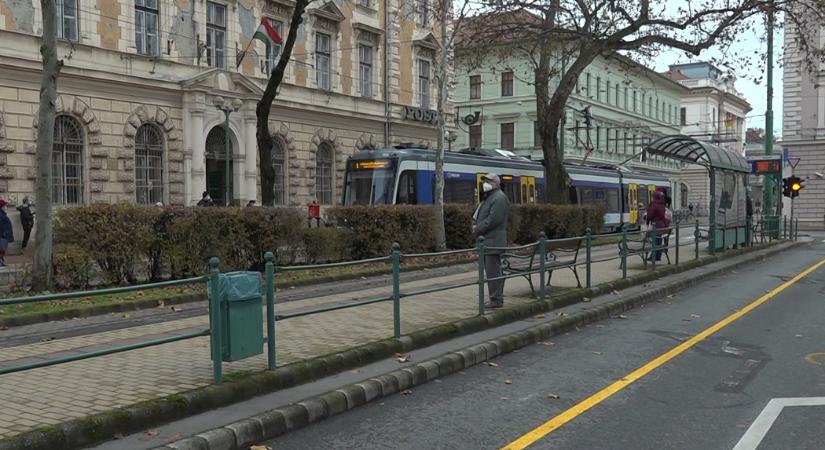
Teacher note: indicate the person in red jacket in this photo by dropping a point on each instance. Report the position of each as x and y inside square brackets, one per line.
[657, 216]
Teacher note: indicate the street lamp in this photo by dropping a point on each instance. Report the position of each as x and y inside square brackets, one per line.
[227, 108]
[450, 136]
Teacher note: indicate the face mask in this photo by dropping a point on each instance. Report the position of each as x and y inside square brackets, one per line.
[487, 187]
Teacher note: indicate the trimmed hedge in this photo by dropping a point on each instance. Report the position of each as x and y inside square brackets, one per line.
[124, 243]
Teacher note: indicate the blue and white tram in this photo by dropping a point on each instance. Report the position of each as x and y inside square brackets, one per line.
[407, 176]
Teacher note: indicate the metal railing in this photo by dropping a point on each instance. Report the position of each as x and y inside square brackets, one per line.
[395, 259]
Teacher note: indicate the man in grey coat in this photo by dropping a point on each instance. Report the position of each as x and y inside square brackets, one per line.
[490, 221]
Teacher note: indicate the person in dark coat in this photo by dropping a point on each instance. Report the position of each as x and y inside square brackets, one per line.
[490, 221]
[205, 200]
[657, 216]
[6, 232]
[27, 220]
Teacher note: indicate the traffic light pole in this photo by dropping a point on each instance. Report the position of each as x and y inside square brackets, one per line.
[770, 182]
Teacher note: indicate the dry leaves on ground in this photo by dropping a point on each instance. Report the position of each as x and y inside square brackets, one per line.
[553, 396]
[508, 381]
[492, 364]
[402, 358]
[151, 433]
[406, 392]
[260, 447]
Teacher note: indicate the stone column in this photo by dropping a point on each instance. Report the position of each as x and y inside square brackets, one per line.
[198, 165]
[251, 175]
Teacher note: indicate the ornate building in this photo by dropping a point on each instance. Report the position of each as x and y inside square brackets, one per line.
[137, 119]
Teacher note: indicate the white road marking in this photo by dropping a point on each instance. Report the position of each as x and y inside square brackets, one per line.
[760, 427]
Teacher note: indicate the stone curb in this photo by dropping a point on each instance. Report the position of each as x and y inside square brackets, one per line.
[79, 433]
[283, 420]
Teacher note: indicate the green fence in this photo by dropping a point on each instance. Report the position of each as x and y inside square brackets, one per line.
[542, 261]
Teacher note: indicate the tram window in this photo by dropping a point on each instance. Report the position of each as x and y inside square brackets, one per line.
[459, 191]
[511, 190]
[524, 196]
[406, 189]
[599, 198]
[540, 193]
[613, 200]
[574, 195]
[586, 196]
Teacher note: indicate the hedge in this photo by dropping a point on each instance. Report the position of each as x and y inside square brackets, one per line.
[124, 243]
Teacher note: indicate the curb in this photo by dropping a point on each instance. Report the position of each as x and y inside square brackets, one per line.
[274, 423]
[78, 433]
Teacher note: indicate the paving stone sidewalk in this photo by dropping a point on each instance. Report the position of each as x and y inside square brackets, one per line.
[54, 394]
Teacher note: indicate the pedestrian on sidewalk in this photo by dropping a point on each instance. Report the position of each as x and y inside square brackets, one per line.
[27, 220]
[490, 221]
[657, 217]
[6, 233]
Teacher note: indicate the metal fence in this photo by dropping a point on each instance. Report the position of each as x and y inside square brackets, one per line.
[646, 245]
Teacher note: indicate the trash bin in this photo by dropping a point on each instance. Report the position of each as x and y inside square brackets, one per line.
[241, 315]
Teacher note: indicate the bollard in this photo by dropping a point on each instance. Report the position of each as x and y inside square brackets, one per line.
[480, 249]
[677, 244]
[654, 246]
[589, 243]
[696, 240]
[270, 310]
[623, 254]
[542, 262]
[396, 290]
[216, 339]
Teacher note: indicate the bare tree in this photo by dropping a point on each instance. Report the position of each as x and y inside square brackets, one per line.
[449, 16]
[265, 105]
[561, 38]
[42, 271]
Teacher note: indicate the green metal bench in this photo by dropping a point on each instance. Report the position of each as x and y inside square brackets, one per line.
[562, 254]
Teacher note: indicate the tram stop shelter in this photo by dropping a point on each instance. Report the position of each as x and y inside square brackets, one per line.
[728, 172]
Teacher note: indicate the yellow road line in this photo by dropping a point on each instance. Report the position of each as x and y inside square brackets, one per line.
[576, 410]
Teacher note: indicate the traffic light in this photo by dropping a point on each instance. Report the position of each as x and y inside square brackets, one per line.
[791, 186]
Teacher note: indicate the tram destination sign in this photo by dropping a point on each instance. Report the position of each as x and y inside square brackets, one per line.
[766, 165]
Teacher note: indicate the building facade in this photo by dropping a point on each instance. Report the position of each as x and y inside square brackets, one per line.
[137, 117]
[629, 106]
[711, 110]
[803, 126]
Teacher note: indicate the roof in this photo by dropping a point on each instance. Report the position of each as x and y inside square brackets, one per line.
[496, 28]
[688, 149]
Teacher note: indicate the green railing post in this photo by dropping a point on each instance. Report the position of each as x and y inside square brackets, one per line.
[481, 268]
[696, 240]
[677, 243]
[270, 310]
[654, 247]
[748, 232]
[623, 254]
[216, 337]
[589, 242]
[796, 231]
[784, 227]
[542, 262]
[396, 290]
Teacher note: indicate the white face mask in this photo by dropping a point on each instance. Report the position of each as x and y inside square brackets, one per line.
[487, 187]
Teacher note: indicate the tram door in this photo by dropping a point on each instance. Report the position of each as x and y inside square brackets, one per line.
[633, 202]
[528, 190]
[479, 188]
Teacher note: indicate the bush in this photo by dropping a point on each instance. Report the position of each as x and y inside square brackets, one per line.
[323, 245]
[72, 266]
[374, 229]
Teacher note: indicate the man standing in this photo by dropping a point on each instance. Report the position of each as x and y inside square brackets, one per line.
[490, 221]
[27, 220]
[6, 233]
[206, 200]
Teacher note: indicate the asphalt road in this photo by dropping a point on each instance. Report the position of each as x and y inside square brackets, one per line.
[707, 397]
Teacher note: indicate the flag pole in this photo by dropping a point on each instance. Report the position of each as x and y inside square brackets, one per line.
[249, 44]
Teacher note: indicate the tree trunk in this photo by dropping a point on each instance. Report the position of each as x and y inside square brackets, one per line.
[440, 231]
[42, 270]
[264, 106]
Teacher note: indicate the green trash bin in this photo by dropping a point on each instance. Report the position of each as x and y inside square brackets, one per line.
[241, 315]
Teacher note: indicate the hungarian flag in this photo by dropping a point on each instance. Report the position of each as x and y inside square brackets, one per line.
[265, 33]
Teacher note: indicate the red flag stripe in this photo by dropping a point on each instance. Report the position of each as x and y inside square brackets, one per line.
[272, 32]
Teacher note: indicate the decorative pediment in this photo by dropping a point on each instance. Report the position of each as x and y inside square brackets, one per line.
[219, 80]
[367, 32]
[279, 8]
[428, 42]
[328, 11]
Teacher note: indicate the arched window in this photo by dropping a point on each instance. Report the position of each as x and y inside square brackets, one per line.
[149, 165]
[323, 174]
[67, 162]
[683, 195]
[279, 163]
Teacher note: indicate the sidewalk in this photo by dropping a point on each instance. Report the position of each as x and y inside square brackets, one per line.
[58, 393]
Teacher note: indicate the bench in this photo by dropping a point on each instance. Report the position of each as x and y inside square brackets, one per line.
[559, 255]
[643, 246]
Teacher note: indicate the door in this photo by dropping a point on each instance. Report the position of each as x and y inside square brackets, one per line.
[633, 202]
[528, 190]
[216, 162]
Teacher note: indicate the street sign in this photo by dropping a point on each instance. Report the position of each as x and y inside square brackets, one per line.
[766, 165]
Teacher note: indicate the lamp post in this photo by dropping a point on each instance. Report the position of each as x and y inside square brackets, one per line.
[227, 108]
[450, 137]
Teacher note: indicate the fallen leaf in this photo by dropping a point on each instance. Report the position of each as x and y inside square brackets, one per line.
[508, 381]
[260, 447]
[118, 436]
[4, 328]
[561, 314]
[406, 392]
[492, 364]
[437, 381]
[177, 309]
[597, 353]
[670, 296]
[621, 316]
[516, 351]
[553, 396]
[125, 316]
[402, 358]
[355, 371]
[540, 316]
[798, 335]
[548, 343]
[505, 398]
[615, 292]
[151, 432]
[585, 299]
[695, 316]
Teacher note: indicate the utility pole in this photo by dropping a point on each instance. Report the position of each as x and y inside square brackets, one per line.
[769, 182]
